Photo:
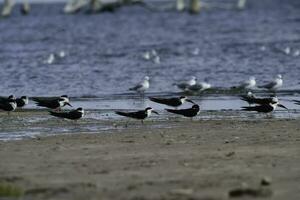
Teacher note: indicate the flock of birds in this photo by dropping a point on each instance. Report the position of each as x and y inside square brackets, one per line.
[261, 104]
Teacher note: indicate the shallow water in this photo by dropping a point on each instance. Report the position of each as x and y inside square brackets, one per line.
[104, 58]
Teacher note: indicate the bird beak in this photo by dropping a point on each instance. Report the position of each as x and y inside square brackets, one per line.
[69, 104]
[155, 112]
[282, 106]
[188, 100]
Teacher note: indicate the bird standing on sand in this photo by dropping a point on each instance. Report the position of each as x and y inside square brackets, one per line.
[248, 84]
[275, 84]
[53, 103]
[174, 102]
[73, 114]
[190, 112]
[185, 85]
[141, 114]
[199, 87]
[8, 104]
[264, 108]
[21, 102]
[252, 99]
[142, 86]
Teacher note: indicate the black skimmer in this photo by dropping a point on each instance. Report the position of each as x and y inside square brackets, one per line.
[53, 103]
[21, 102]
[141, 114]
[185, 85]
[174, 102]
[142, 86]
[297, 102]
[275, 84]
[8, 104]
[190, 112]
[73, 114]
[252, 99]
[265, 108]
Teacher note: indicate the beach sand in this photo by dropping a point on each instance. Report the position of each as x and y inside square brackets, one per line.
[193, 160]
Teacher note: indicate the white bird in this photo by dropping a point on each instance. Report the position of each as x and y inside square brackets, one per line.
[275, 84]
[184, 85]
[50, 59]
[249, 84]
[147, 55]
[62, 54]
[198, 87]
[142, 86]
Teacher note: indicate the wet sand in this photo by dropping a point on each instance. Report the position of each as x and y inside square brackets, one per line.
[194, 160]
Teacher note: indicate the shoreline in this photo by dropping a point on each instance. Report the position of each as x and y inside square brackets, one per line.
[194, 160]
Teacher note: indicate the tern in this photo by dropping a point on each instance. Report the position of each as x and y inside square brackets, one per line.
[21, 102]
[190, 112]
[73, 114]
[198, 87]
[173, 102]
[185, 85]
[248, 84]
[275, 84]
[141, 114]
[8, 104]
[265, 108]
[142, 86]
[53, 103]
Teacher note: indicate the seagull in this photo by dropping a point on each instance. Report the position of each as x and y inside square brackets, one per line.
[174, 102]
[265, 108]
[8, 104]
[248, 84]
[252, 99]
[141, 114]
[142, 86]
[275, 84]
[73, 114]
[21, 102]
[199, 87]
[190, 112]
[186, 84]
[50, 60]
[53, 103]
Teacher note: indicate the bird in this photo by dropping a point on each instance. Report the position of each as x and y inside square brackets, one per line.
[140, 115]
[189, 112]
[186, 84]
[173, 102]
[252, 99]
[53, 103]
[198, 87]
[297, 102]
[142, 86]
[21, 102]
[264, 108]
[8, 104]
[248, 84]
[275, 84]
[73, 114]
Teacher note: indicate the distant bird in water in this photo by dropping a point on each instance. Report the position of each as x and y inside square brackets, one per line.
[73, 114]
[275, 84]
[8, 104]
[140, 115]
[186, 84]
[53, 103]
[142, 86]
[173, 102]
[248, 84]
[264, 108]
[21, 102]
[199, 87]
[190, 112]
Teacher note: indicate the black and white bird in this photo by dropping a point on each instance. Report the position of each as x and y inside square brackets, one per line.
[73, 114]
[189, 112]
[142, 86]
[8, 104]
[53, 103]
[265, 108]
[21, 102]
[252, 99]
[186, 84]
[141, 114]
[173, 102]
[275, 84]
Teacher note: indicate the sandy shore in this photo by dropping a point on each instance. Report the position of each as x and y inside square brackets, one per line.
[195, 160]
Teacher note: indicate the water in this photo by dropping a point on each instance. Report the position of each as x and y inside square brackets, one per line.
[104, 56]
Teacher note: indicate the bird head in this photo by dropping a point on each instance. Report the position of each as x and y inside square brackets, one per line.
[12, 97]
[148, 110]
[146, 78]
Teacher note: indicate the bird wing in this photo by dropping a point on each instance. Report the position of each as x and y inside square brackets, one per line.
[67, 115]
[137, 87]
[182, 86]
[169, 101]
[296, 102]
[185, 112]
[260, 108]
[136, 115]
[49, 103]
[269, 85]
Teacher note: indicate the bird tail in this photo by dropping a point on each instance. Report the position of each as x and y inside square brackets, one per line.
[173, 111]
[248, 108]
[121, 113]
[157, 100]
[55, 114]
